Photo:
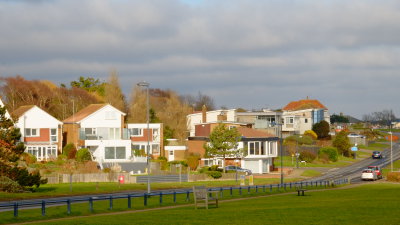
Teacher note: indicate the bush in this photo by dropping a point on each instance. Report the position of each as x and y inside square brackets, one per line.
[307, 156]
[321, 129]
[311, 134]
[215, 168]
[331, 152]
[193, 160]
[204, 169]
[8, 185]
[28, 158]
[393, 176]
[69, 150]
[214, 174]
[83, 155]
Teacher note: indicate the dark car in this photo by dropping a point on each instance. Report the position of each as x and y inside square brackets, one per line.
[376, 155]
[377, 169]
[238, 169]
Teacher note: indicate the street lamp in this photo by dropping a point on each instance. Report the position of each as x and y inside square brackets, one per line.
[146, 85]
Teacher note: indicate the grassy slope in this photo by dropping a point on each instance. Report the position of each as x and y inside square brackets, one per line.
[368, 204]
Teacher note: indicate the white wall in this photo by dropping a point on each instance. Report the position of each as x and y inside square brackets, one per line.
[98, 118]
[36, 118]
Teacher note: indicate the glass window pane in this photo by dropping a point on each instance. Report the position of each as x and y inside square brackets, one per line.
[109, 153]
[27, 132]
[120, 153]
[53, 131]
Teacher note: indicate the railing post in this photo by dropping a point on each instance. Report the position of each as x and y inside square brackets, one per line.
[264, 188]
[91, 204]
[145, 199]
[43, 208]
[248, 190]
[129, 202]
[231, 190]
[15, 209]
[270, 188]
[256, 188]
[160, 198]
[174, 196]
[69, 206]
[111, 202]
[187, 196]
[301, 184]
[284, 186]
[221, 190]
[240, 190]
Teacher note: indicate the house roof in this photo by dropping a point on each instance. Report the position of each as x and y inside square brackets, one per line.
[304, 104]
[249, 132]
[21, 111]
[83, 113]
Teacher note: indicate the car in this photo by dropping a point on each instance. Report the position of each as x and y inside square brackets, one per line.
[369, 174]
[377, 170]
[238, 169]
[376, 155]
[354, 135]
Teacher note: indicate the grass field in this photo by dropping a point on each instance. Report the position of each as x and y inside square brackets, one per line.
[375, 203]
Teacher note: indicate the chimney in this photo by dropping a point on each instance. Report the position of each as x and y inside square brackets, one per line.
[204, 113]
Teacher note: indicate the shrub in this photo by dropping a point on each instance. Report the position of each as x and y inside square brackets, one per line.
[83, 155]
[311, 134]
[342, 143]
[107, 170]
[215, 168]
[69, 150]
[214, 174]
[321, 129]
[28, 158]
[393, 176]
[307, 156]
[330, 151]
[193, 161]
[8, 185]
[204, 169]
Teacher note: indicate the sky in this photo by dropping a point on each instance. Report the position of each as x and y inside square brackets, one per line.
[243, 53]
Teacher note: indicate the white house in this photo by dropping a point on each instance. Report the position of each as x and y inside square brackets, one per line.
[299, 116]
[40, 132]
[140, 135]
[100, 128]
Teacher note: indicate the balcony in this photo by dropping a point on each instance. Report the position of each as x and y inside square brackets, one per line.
[103, 133]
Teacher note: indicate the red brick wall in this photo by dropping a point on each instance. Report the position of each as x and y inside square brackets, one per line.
[202, 130]
[144, 137]
[195, 146]
[44, 136]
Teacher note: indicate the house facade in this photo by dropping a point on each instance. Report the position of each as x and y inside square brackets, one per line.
[40, 132]
[258, 148]
[100, 128]
[299, 116]
[140, 136]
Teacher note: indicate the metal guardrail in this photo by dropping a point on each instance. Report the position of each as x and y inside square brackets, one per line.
[15, 206]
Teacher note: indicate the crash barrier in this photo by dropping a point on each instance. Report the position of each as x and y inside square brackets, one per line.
[43, 204]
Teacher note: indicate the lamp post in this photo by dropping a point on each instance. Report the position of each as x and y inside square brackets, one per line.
[146, 84]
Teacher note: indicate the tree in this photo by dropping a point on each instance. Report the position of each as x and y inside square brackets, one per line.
[137, 106]
[383, 117]
[223, 142]
[90, 84]
[10, 152]
[339, 119]
[342, 143]
[198, 101]
[113, 94]
[321, 129]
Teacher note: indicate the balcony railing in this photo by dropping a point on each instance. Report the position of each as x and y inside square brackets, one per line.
[104, 133]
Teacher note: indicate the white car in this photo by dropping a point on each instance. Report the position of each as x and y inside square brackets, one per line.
[369, 174]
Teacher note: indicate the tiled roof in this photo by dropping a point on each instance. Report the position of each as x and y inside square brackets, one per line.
[21, 110]
[304, 104]
[85, 112]
[249, 132]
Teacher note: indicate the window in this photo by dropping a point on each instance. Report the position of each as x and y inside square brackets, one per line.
[135, 131]
[32, 132]
[90, 131]
[305, 120]
[53, 134]
[155, 149]
[171, 152]
[289, 120]
[114, 133]
[256, 148]
[115, 153]
[110, 115]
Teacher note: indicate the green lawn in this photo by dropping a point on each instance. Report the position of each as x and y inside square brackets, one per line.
[311, 173]
[375, 146]
[375, 203]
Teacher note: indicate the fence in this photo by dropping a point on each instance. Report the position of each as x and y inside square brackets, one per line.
[15, 206]
[89, 177]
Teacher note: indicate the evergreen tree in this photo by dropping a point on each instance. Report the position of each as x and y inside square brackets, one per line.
[321, 129]
[223, 142]
[10, 151]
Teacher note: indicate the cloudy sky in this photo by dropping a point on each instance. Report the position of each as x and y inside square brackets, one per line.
[244, 53]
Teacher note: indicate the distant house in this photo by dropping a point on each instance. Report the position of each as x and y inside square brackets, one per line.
[259, 148]
[299, 116]
[100, 128]
[139, 135]
[41, 132]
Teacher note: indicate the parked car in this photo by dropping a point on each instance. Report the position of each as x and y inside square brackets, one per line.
[377, 170]
[238, 169]
[369, 174]
[376, 155]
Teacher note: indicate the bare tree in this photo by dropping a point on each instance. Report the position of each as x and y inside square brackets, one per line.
[113, 93]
